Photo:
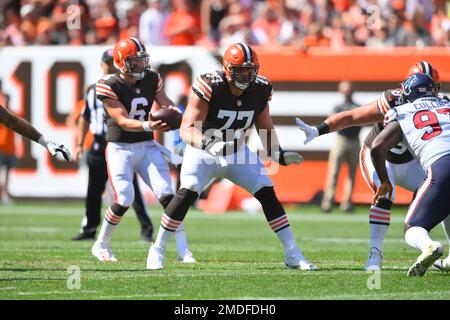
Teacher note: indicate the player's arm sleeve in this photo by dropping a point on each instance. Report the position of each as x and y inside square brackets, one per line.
[389, 99]
[105, 91]
[202, 89]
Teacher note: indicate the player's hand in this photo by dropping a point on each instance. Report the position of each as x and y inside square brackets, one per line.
[58, 151]
[286, 158]
[78, 153]
[383, 191]
[310, 132]
[218, 147]
[157, 125]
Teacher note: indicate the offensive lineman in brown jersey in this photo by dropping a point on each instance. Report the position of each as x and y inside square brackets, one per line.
[128, 97]
[403, 169]
[25, 129]
[224, 105]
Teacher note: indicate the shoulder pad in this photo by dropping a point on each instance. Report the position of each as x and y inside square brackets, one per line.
[104, 88]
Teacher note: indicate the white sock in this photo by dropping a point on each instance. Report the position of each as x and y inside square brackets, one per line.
[417, 237]
[168, 227]
[377, 234]
[287, 238]
[162, 238]
[379, 219]
[106, 231]
[180, 237]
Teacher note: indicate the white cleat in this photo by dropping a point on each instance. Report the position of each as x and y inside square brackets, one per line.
[155, 259]
[299, 262]
[442, 264]
[188, 257]
[375, 260]
[103, 253]
[433, 252]
[295, 260]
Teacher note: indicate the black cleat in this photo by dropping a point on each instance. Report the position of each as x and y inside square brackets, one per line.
[147, 233]
[84, 236]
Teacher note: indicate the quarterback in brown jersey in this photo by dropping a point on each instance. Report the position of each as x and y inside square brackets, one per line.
[403, 169]
[25, 129]
[223, 106]
[128, 96]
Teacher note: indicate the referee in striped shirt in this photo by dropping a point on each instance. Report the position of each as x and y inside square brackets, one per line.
[92, 118]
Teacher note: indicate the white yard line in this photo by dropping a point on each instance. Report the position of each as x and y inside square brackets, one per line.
[55, 292]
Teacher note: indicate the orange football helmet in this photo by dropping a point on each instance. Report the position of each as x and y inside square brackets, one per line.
[241, 65]
[426, 68]
[131, 58]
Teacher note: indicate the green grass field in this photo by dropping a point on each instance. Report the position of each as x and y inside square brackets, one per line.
[238, 258]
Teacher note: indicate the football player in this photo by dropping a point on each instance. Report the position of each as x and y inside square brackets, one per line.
[128, 96]
[223, 106]
[403, 169]
[25, 129]
[423, 124]
[91, 118]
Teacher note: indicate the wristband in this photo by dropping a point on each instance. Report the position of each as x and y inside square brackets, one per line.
[323, 128]
[146, 126]
[43, 141]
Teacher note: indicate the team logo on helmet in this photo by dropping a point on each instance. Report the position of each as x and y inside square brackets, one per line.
[419, 85]
[406, 86]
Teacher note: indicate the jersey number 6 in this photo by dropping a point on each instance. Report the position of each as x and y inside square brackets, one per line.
[137, 112]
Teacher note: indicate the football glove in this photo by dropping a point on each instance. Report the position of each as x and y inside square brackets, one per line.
[383, 191]
[310, 132]
[286, 158]
[58, 150]
[218, 147]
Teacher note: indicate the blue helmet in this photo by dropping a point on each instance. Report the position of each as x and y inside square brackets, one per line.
[419, 85]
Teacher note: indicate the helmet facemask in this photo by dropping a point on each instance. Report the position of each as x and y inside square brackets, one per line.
[242, 76]
[137, 65]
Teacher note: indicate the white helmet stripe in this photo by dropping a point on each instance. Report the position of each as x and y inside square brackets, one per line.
[426, 68]
[138, 44]
[248, 52]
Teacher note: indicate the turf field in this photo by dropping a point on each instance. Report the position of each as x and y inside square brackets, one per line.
[238, 258]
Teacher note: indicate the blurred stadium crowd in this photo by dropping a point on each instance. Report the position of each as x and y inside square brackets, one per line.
[218, 23]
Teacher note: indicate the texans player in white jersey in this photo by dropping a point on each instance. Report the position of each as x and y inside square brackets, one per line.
[403, 169]
[224, 104]
[128, 96]
[24, 128]
[423, 124]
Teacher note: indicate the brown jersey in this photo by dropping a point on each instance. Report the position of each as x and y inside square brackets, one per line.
[137, 100]
[230, 116]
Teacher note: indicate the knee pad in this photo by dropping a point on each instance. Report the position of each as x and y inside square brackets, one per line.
[118, 210]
